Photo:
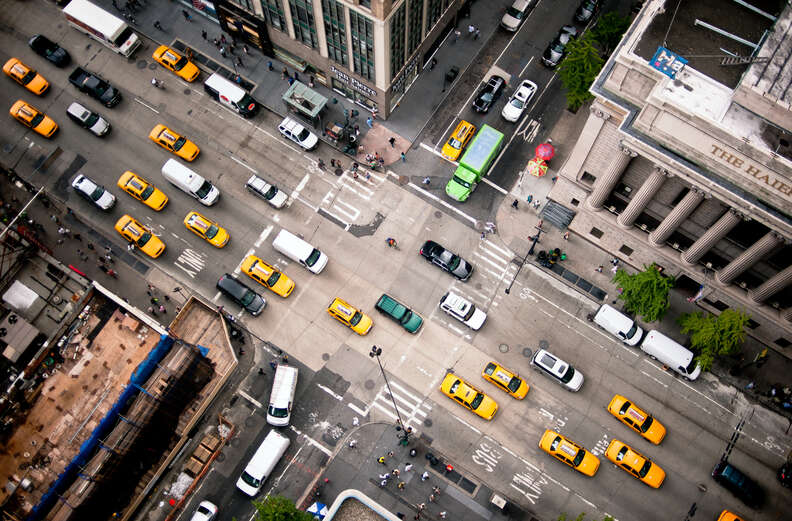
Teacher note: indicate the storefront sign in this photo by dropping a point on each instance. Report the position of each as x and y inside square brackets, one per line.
[770, 179]
[352, 82]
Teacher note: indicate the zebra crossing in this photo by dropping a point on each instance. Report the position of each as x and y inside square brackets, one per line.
[413, 407]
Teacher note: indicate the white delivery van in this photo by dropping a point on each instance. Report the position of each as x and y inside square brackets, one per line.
[282, 395]
[102, 26]
[298, 250]
[190, 182]
[670, 353]
[618, 324]
[231, 95]
[263, 462]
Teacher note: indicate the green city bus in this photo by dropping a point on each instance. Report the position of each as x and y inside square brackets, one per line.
[474, 163]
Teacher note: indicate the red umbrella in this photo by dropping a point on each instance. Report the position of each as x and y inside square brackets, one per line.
[537, 167]
[545, 151]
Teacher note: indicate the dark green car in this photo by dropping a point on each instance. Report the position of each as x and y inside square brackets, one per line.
[409, 320]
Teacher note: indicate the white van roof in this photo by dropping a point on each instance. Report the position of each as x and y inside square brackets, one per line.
[225, 87]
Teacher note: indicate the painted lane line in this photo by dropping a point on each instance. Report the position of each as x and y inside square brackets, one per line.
[466, 424]
[217, 296]
[249, 398]
[311, 441]
[263, 236]
[330, 392]
[526, 66]
[352, 213]
[307, 203]
[438, 154]
[432, 196]
[152, 109]
[493, 185]
[242, 164]
[655, 379]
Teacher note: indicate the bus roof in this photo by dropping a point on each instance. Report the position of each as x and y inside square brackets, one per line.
[481, 151]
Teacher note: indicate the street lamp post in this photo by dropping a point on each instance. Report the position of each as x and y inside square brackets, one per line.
[539, 231]
[375, 353]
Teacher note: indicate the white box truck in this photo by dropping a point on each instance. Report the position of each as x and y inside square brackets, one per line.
[102, 26]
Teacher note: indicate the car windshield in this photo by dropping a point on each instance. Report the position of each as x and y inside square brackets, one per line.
[474, 404]
[179, 143]
[38, 118]
[274, 278]
[250, 480]
[514, 384]
[567, 377]
[271, 193]
[202, 192]
[97, 193]
[248, 298]
[302, 136]
[145, 237]
[212, 231]
[179, 65]
[277, 412]
[91, 119]
[28, 77]
[486, 97]
[645, 469]
[579, 457]
[470, 312]
[356, 318]
[146, 193]
[557, 47]
[460, 181]
[517, 103]
[514, 13]
[313, 257]
[406, 315]
[648, 423]
[691, 366]
[453, 262]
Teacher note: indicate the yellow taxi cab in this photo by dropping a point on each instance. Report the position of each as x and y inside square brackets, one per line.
[31, 117]
[729, 516]
[25, 76]
[641, 422]
[505, 380]
[208, 230]
[350, 316]
[565, 450]
[468, 396]
[267, 276]
[179, 145]
[175, 62]
[458, 140]
[133, 231]
[142, 190]
[636, 464]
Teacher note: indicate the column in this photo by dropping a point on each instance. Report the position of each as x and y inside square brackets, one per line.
[642, 198]
[787, 314]
[605, 183]
[711, 237]
[675, 218]
[772, 285]
[748, 258]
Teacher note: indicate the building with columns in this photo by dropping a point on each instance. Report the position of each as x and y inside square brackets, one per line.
[685, 157]
[369, 51]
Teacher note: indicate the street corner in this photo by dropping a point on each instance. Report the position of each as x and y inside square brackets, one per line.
[391, 146]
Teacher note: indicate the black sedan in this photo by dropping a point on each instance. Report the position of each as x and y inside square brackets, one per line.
[489, 94]
[556, 51]
[50, 50]
[446, 260]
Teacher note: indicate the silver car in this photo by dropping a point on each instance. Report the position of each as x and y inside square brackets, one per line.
[94, 192]
[266, 191]
[87, 119]
[563, 373]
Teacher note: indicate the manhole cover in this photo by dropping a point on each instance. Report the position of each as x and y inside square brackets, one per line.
[544, 344]
[369, 384]
[428, 422]
[325, 356]
[527, 352]
[151, 66]
[478, 286]
[220, 457]
[503, 348]
[438, 214]
[187, 91]
[250, 421]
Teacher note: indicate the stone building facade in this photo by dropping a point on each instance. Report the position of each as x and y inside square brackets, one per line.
[689, 165]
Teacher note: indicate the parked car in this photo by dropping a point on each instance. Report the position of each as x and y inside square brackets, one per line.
[409, 319]
[515, 15]
[515, 107]
[446, 260]
[241, 294]
[270, 193]
[463, 310]
[586, 10]
[95, 87]
[87, 119]
[489, 94]
[175, 62]
[738, 483]
[556, 50]
[293, 130]
[206, 511]
[50, 50]
[94, 192]
[558, 370]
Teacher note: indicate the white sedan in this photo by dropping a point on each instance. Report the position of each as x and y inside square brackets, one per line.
[518, 101]
[463, 310]
[206, 511]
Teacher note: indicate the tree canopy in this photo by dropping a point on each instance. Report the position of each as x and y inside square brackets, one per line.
[646, 292]
[712, 336]
[279, 508]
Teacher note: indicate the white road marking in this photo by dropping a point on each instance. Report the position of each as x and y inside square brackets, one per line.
[242, 164]
[217, 296]
[191, 262]
[526, 66]
[431, 195]
[152, 109]
[353, 212]
[502, 266]
[330, 392]
[263, 236]
[434, 151]
[466, 424]
[311, 441]
[249, 398]
[493, 185]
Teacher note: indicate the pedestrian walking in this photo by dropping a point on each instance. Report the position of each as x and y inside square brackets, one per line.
[431, 498]
[311, 81]
[223, 39]
[529, 198]
[457, 34]
[109, 258]
[245, 49]
[285, 358]
[368, 175]
[424, 476]
[290, 80]
[320, 164]
[284, 73]
[162, 309]
[566, 236]
[204, 34]
[417, 516]
[63, 231]
[515, 204]
[383, 483]
[239, 62]
[614, 261]
[476, 34]
[155, 301]
[421, 507]
[392, 141]
[399, 515]
[536, 204]
[395, 473]
[614, 268]
[403, 158]
[222, 51]
[130, 247]
[151, 311]
[401, 485]
[356, 128]
[599, 269]
[540, 223]
[381, 460]
[471, 30]
[385, 476]
[426, 180]
[390, 454]
[216, 42]
[296, 76]
[186, 15]
[158, 25]
[436, 491]
[231, 47]
[274, 365]
[79, 252]
[90, 246]
[352, 444]
[54, 218]
[369, 122]
[408, 467]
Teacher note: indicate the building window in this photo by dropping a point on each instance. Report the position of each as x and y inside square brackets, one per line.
[435, 12]
[303, 21]
[782, 342]
[574, 202]
[397, 41]
[588, 178]
[596, 232]
[274, 14]
[752, 324]
[245, 4]
[415, 21]
[335, 31]
[362, 31]
[365, 3]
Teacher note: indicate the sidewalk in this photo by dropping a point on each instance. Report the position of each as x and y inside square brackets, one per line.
[358, 467]
[583, 258]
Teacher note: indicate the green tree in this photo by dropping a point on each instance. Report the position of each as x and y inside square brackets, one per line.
[609, 30]
[645, 292]
[712, 336]
[279, 508]
[579, 69]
